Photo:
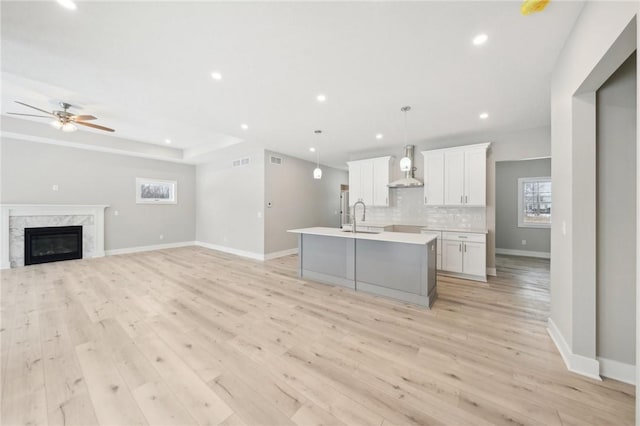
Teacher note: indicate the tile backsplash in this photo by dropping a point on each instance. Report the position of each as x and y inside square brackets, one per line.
[406, 207]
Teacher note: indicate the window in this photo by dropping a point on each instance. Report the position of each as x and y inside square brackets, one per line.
[534, 202]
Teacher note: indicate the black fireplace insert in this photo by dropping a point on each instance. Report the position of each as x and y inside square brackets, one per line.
[52, 243]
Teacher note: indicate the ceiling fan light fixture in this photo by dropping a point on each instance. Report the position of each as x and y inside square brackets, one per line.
[69, 127]
[56, 124]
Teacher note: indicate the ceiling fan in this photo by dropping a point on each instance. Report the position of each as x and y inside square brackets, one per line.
[64, 120]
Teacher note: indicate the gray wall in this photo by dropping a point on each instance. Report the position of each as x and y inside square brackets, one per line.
[616, 219]
[230, 200]
[298, 200]
[505, 146]
[29, 170]
[589, 56]
[508, 235]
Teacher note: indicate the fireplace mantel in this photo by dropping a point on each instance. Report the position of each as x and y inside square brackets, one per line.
[12, 210]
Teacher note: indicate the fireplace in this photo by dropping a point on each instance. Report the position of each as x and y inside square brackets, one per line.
[52, 243]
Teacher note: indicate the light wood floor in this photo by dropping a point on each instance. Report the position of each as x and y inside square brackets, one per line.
[190, 335]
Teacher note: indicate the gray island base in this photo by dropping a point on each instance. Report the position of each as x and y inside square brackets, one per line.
[391, 264]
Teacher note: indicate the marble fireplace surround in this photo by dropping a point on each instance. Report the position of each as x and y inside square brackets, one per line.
[15, 217]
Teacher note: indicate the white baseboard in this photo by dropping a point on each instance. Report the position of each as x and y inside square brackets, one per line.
[575, 363]
[526, 253]
[492, 272]
[147, 248]
[230, 250]
[617, 370]
[281, 253]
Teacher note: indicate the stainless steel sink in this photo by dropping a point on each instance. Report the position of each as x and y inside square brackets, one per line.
[362, 232]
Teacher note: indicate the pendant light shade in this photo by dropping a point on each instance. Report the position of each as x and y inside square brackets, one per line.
[405, 162]
[317, 172]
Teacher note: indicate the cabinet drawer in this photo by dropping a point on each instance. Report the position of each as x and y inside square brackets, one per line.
[461, 236]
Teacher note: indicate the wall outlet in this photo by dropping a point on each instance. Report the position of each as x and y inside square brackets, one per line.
[259, 215]
[116, 213]
[161, 237]
[564, 228]
[524, 242]
[54, 188]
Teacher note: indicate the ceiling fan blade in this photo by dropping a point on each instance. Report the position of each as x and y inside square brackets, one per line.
[36, 108]
[95, 126]
[29, 115]
[83, 117]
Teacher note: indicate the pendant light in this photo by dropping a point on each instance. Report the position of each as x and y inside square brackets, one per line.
[405, 162]
[317, 172]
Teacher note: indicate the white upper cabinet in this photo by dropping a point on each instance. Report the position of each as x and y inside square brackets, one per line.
[456, 176]
[368, 180]
[381, 178]
[433, 177]
[475, 177]
[355, 179]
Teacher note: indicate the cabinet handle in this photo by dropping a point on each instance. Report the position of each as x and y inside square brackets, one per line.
[465, 247]
[461, 199]
[425, 200]
[466, 199]
[460, 247]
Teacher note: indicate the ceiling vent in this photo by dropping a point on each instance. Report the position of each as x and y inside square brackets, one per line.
[275, 160]
[241, 162]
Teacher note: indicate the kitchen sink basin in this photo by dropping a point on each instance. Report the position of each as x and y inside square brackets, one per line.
[362, 232]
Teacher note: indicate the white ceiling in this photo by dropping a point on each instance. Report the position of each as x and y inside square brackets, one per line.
[144, 69]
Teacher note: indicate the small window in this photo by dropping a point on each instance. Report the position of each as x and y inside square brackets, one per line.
[534, 202]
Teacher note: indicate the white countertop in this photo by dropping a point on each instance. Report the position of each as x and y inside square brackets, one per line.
[392, 237]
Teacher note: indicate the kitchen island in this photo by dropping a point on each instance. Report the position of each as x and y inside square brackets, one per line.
[392, 264]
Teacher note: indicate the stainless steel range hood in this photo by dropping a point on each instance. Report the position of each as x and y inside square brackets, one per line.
[409, 180]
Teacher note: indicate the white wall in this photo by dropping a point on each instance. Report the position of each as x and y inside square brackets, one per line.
[30, 169]
[297, 200]
[230, 200]
[585, 62]
[528, 143]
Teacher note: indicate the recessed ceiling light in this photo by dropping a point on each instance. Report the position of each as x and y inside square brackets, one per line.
[484, 115]
[480, 39]
[167, 141]
[312, 149]
[321, 98]
[68, 4]
[216, 75]
[379, 136]
[244, 126]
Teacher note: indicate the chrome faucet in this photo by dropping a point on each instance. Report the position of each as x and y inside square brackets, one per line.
[364, 212]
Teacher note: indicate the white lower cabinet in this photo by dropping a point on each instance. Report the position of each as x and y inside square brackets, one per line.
[474, 259]
[452, 256]
[465, 253]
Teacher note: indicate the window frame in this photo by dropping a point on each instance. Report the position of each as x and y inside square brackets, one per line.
[521, 216]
